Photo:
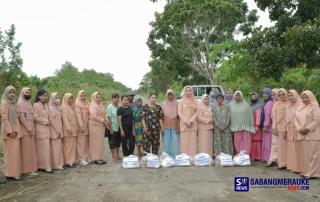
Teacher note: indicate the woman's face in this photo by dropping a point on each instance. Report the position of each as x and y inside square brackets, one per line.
[188, 92]
[70, 100]
[43, 98]
[98, 98]
[11, 94]
[153, 99]
[282, 96]
[170, 96]
[83, 97]
[254, 99]
[291, 97]
[220, 100]
[57, 99]
[206, 100]
[305, 99]
[238, 97]
[139, 104]
[228, 94]
[265, 96]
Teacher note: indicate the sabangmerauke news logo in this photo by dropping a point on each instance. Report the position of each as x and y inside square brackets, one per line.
[243, 184]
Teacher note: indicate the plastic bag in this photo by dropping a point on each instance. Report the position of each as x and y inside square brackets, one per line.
[183, 160]
[224, 160]
[202, 159]
[130, 162]
[151, 161]
[167, 161]
[242, 159]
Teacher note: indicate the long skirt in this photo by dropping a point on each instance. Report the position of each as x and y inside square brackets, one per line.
[96, 142]
[311, 156]
[295, 155]
[242, 141]
[12, 157]
[188, 142]
[44, 154]
[274, 149]
[57, 154]
[170, 142]
[266, 145]
[256, 147]
[282, 151]
[29, 162]
[205, 141]
[83, 147]
[70, 150]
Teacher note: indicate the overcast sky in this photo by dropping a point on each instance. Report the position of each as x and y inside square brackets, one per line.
[106, 35]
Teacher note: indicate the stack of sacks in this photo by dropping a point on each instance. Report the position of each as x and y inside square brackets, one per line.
[183, 160]
[224, 160]
[242, 159]
[202, 159]
[130, 162]
[167, 161]
[151, 161]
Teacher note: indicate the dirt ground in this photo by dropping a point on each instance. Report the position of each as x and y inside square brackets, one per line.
[112, 183]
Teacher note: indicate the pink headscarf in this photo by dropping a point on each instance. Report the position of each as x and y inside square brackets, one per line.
[292, 108]
[94, 106]
[79, 103]
[313, 99]
[24, 105]
[189, 101]
[52, 104]
[170, 108]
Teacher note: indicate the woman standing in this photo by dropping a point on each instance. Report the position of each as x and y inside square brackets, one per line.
[125, 120]
[279, 126]
[29, 163]
[294, 141]
[69, 120]
[138, 128]
[222, 134]
[228, 97]
[205, 125]
[256, 145]
[11, 134]
[41, 119]
[56, 131]
[152, 124]
[242, 123]
[188, 113]
[81, 108]
[307, 122]
[98, 123]
[171, 124]
[273, 157]
[266, 125]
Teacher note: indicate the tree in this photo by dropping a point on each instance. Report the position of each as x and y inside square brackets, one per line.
[183, 35]
[10, 60]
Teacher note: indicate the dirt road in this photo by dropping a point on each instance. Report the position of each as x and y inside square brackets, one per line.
[112, 183]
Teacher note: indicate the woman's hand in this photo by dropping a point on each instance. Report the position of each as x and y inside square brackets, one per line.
[145, 130]
[122, 133]
[12, 135]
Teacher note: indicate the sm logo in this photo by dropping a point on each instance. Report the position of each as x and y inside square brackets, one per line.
[241, 184]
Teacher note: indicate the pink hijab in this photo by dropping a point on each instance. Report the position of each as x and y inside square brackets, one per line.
[292, 108]
[313, 99]
[203, 106]
[94, 106]
[189, 101]
[79, 103]
[24, 105]
[52, 105]
[170, 108]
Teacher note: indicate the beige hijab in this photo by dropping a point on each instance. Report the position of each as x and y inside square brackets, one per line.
[79, 103]
[52, 104]
[292, 108]
[94, 106]
[189, 101]
[67, 109]
[24, 105]
[203, 106]
[170, 108]
[13, 112]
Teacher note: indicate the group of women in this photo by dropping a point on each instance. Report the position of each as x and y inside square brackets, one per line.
[51, 135]
[285, 129]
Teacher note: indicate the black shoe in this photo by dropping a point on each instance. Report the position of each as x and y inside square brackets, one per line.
[13, 178]
[270, 164]
[99, 162]
[70, 166]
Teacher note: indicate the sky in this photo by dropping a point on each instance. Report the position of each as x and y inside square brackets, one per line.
[105, 35]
